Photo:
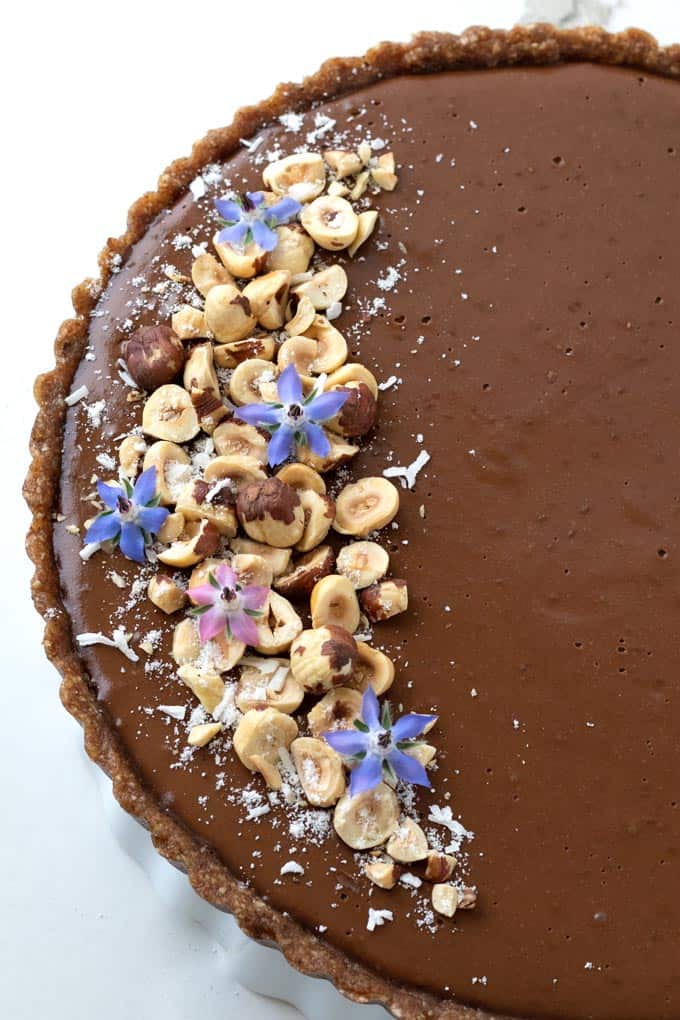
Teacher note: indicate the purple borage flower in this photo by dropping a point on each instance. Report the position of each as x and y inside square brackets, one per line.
[296, 419]
[377, 746]
[224, 603]
[133, 516]
[248, 219]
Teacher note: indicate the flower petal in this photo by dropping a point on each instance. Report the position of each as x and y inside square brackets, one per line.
[325, 406]
[407, 768]
[104, 527]
[317, 440]
[226, 576]
[243, 627]
[228, 209]
[204, 595]
[254, 596]
[233, 235]
[370, 710]
[259, 414]
[280, 445]
[152, 518]
[145, 487]
[347, 742]
[132, 542]
[256, 198]
[211, 624]
[284, 210]
[410, 726]
[366, 775]
[110, 494]
[264, 236]
[289, 386]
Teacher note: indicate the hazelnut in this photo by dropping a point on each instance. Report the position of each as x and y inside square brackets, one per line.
[368, 819]
[301, 175]
[202, 734]
[173, 469]
[408, 843]
[467, 898]
[171, 528]
[323, 658]
[337, 710]
[367, 222]
[331, 346]
[343, 164]
[268, 297]
[258, 739]
[384, 874]
[331, 221]
[385, 599]
[278, 627]
[363, 563]
[169, 414]
[244, 263]
[353, 373]
[334, 603]
[195, 503]
[206, 273]
[293, 251]
[382, 172]
[130, 452]
[252, 381]
[200, 539]
[230, 355]
[270, 511]
[278, 559]
[268, 683]
[228, 314]
[445, 899]
[305, 572]
[324, 288]
[440, 866]
[373, 667]
[300, 313]
[319, 513]
[207, 686]
[199, 371]
[154, 356]
[302, 477]
[319, 770]
[165, 594]
[189, 323]
[357, 415]
[338, 454]
[366, 506]
[216, 656]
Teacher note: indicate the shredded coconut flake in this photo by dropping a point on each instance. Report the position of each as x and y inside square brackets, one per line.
[377, 918]
[118, 640]
[407, 475]
[76, 395]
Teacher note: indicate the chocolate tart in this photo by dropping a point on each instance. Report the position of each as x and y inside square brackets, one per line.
[517, 300]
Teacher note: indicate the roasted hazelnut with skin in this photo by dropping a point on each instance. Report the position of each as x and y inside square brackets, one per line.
[323, 658]
[270, 511]
[384, 599]
[357, 415]
[154, 356]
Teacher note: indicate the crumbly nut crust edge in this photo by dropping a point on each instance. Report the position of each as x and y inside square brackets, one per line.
[427, 52]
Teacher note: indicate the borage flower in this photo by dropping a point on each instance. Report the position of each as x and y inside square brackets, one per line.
[249, 219]
[377, 746]
[225, 603]
[296, 419]
[133, 516]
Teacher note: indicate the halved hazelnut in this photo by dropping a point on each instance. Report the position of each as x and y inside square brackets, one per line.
[339, 453]
[357, 415]
[445, 899]
[252, 569]
[300, 312]
[358, 189]
[353, 373]
[382, 172]
[278, 559]
[293, 251]
[189, 323]
[199, 370]
[196, 503]
[247, 384]
[301, 477]
[319, 514]
[207, 686]
[467, 898]
[439, 866]
[343, 164]
[169, 414]
[216, 656]
[367, 222]
[305, 572]
[325, 288]
[165, 594]
[319, 770]
[203, 733]
[258, 739]
[201, 539]
[424, 753]
[368, 819]
[299, 351]
[363, 563]
[171, 528]
[408, 843]
[209, 408]
[385, 599]
[337, 710]
[228, 314]
[384, 874]
[366, 506]
[243, 263]
[130, 453]
[270, 511]
[323, 658]
[268, 297]
[206, 273]
[331, 349]
[173, 469]
[268, 683]
[373, 667]
[231, 472]
[154, 356]
[331, 221]
[236, 439]
[278, 627]
[231, 355]
[301, 175]
[333, 602]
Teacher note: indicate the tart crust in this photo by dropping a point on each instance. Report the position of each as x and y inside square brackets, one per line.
[426, 53]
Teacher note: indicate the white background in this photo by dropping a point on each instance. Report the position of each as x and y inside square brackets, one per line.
[96, 100]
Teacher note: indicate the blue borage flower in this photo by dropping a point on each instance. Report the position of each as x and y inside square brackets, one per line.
[377, 747]
[296, 419]
[249, 219]
[132, 517]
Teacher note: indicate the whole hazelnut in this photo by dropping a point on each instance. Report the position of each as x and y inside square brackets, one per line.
[271, 512]
[154, 356]
[357, 415]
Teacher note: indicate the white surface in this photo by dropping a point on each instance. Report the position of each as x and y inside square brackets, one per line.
[113, 93]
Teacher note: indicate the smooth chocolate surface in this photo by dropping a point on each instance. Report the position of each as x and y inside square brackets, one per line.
[529, 308]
